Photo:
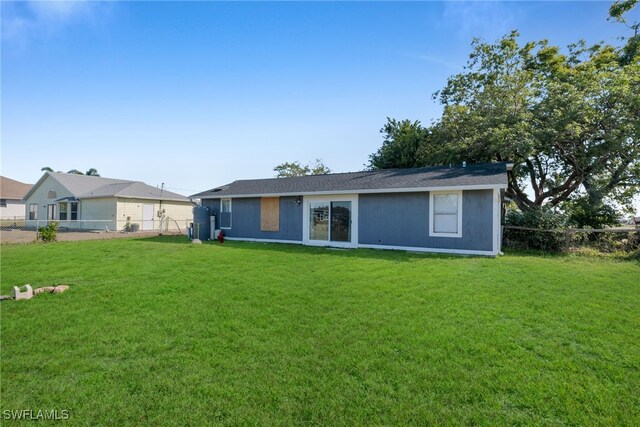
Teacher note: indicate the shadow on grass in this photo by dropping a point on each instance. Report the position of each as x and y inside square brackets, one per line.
[386, 254]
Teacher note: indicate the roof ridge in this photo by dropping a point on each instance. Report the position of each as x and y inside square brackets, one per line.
[449, 166]
[483, 174]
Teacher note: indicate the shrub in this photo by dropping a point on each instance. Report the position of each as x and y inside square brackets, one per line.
[49, 233]
[583, 214]
[541, 218]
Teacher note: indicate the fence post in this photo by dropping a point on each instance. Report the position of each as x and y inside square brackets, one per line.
[567, 239]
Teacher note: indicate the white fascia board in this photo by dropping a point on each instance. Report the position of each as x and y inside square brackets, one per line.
[136, 197]
[367, 191]
[431, 250]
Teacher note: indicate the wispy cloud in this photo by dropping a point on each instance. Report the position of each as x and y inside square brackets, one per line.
[484, 19]
[434, 60]
[22, 20]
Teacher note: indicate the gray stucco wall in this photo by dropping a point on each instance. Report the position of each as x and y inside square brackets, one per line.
[245, 218]
[402, 219]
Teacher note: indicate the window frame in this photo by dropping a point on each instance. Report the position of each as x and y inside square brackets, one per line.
[73, 213]
[33, 209]
[3, 203]
[230, 213]
[65, 212]
[432, 213]
[51, 212]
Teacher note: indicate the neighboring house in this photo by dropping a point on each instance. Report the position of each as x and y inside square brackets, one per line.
[11, 194]
[97, 203]
[438, 209]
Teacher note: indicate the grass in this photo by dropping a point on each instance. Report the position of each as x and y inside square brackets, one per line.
[162, 332]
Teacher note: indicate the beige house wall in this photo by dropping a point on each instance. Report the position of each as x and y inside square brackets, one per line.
[97, 214]
[47, 193]
[15, 209]
[174, 216]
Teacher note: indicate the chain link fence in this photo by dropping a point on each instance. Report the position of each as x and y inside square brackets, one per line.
[603, 241]
[12, 223]
[160, 225]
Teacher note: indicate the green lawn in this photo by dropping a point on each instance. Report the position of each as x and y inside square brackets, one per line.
[162, 332]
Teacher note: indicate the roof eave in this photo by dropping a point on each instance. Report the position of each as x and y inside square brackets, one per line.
[359, 191]
[117, 196]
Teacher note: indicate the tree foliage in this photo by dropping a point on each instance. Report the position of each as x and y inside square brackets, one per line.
[564, 119]
[288, 169]
[402, 141]
[582, 213]
[568, 120]
[617, 11]
[90, 172]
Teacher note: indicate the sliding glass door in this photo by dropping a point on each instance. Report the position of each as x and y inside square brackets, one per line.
[340, 222]
[329, 221]
[318, 221]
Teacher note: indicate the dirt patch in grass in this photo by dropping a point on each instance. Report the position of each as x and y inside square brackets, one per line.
[29, 236]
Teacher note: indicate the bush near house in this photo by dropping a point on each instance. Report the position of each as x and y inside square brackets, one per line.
[535, 218]
[48, 233]
[162, 332]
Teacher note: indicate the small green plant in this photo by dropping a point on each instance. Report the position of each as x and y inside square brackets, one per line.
[49, 233]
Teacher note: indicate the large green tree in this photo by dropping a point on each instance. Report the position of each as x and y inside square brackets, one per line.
[565, 120]
[568, 120]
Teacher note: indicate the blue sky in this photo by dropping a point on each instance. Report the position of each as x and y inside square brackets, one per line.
[198, 94]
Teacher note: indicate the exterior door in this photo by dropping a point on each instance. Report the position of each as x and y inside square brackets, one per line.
[330, 221]
[147, 217]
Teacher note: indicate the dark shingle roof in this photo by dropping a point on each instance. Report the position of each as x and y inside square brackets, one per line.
[387, 180]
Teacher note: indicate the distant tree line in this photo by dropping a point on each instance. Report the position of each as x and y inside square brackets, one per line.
[90, 172]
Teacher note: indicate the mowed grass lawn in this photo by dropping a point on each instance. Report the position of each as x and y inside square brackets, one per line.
[162, 332]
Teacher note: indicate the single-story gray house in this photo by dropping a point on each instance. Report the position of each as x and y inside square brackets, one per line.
[437, 209]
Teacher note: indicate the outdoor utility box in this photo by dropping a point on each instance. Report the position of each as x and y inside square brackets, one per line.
[135, 227]
[201, 223]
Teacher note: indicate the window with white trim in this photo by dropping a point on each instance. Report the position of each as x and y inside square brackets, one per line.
[445, 214]
[74, 211]
[225, 213]
[63, 211]
[33, 211]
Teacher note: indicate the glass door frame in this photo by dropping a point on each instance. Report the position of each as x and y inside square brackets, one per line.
[353, 198]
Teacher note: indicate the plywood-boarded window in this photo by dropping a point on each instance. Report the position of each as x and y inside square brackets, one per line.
[270, 214]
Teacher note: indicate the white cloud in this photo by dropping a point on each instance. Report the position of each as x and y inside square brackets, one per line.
[483, 19]
[435, 60]
[26, 19]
